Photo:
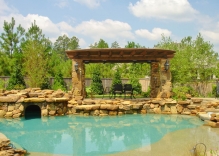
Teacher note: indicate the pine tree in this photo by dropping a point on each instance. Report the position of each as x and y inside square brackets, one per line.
[117, 78]
[96, 85]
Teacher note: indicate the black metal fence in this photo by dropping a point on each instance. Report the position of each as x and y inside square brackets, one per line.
[107, 82]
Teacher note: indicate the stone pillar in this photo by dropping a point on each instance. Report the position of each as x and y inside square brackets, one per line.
[161, 86]
[78, 79]
[155, 79]
[165, 79]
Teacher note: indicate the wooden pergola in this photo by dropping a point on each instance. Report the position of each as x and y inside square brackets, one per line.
[160, 76]
[120, 55]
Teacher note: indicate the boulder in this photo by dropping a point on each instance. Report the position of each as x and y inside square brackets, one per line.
[179, 108]
[113, 113]
[157, 110]
[34, 100]
[8, 114]
[52, 112]
[10, 108]
[95, 113]
[197, 100]
[125, 107]
[16, 111]
[59, 111]
[173, 109]
[16, 115]
[120, 113]
[73, 102]
[191, 106]
[187, 102]
[2, 113]
[104, 112]
[137, 106]
[126, 102]
[21, 108]
[11, 98]
[104, 106]
[61, 99]
[44, 112]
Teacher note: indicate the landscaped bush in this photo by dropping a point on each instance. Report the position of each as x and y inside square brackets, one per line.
[59, 83]
[117, 78]
[2, 84]
[136, 85]
[147, 93]
[96, 85]
[46, 84]
[180, 91]
[16, 80]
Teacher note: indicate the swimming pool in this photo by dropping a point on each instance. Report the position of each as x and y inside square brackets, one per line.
[79, 135]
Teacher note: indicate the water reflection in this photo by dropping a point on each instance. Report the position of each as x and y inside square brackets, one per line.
[76, 135]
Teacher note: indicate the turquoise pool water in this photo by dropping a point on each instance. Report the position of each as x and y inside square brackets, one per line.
[79, 135]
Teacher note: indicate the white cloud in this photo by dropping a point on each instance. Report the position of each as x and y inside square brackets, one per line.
[82, 42]
[105, 29]
[49, 28]
[154, 35]
[62, 3]
[3, 7]
[212, 34]
[90, 3]
[178, 10]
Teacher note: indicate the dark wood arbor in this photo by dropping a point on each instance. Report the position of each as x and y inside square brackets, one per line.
[158, 58]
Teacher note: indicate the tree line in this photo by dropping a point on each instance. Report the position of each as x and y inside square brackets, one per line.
[31, 54]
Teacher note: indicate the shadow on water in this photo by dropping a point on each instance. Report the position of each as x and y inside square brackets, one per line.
[32, 112]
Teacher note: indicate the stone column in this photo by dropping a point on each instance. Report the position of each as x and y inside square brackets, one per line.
[161, 86]
[78, 79]
[165, 79]
[155, 79]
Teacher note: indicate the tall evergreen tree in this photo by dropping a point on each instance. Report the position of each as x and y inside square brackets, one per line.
[96, 85]
[11, 38]
[117, 78]
[36, 50]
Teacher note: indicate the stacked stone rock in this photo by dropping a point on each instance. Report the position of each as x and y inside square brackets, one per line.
[7, 150]
[14, 102]
[214, 120]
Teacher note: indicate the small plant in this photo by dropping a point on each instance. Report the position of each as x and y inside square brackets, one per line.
[214, 152]
[46, 84]
[179, 92]
[2, 84]
[147, 93]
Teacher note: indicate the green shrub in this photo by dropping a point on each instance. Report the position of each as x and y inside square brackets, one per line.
[116, 78]
[46, 84]
[147, 93]
[59, 83]
[96, 85]
[16, 80]
[136, 85]
[180, 91]
[2, 84]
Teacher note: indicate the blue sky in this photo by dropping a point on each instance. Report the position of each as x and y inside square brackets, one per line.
[141, 21]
